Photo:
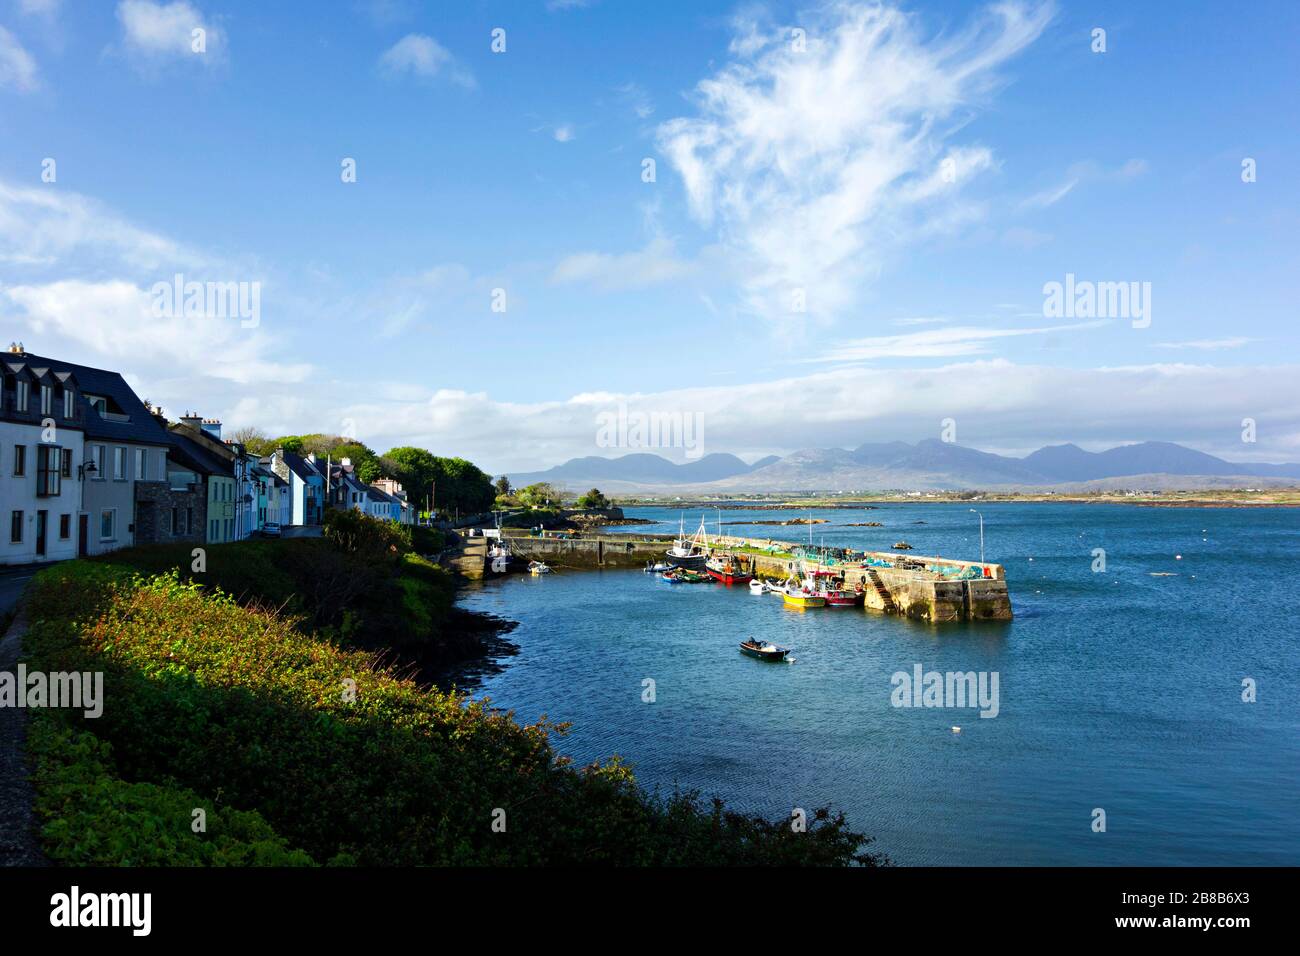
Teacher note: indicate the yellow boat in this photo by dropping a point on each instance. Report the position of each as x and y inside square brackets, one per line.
[800, 599]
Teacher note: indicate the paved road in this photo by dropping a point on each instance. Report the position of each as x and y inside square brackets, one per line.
[18, 842]
[13, 578]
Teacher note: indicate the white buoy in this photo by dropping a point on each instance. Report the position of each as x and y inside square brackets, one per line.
[1178, 557]
[956, 730]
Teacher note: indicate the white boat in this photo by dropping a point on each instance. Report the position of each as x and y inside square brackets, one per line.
[759, 587]
[537, 567]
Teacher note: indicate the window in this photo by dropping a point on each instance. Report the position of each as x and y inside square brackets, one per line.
[65, 526]
[98, 404]
[47, 399]
[16, 527]
[65, 468]
[20, 460]
[67, 403]
[119, 463]
[97, 456]
[48, 462]
[107, 524]
[139, 465]
[20, 402]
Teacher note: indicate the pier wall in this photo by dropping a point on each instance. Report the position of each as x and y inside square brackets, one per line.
[916, 592]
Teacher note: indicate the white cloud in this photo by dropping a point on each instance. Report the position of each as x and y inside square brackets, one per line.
[162, 30]
[935, 343]
[17, 66]
[41, 226]
[114, 321]
[423, 56]
[1050, 196]
[813, 164]
[657, 262]
[1207, 345]
[564, 133]
[996, 403]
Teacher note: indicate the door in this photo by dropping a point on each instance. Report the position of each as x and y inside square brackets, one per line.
[42, 525]
[83, 527]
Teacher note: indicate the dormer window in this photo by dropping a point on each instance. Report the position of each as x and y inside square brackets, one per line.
[20, 402]
[67, 403]
[98, 404]
[47, 399]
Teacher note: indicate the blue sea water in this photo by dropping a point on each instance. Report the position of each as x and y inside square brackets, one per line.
[1119, 690]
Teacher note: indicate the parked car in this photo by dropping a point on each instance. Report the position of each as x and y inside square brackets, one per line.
[271, 530]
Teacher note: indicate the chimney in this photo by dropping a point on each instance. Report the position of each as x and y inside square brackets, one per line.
[16, 348]
[212, 426]
[193, 421]
[346, 463]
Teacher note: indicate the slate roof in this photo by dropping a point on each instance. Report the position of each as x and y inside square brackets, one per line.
[186, 451]
[142, 428]
[300, 466]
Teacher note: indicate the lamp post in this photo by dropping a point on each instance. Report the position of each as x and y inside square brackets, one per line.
[973, 511]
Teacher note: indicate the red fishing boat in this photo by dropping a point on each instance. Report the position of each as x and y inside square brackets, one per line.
[728, 572]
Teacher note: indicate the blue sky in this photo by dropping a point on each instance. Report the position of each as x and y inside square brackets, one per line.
[820, 169]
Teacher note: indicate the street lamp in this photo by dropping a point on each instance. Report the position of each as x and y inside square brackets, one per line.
[981, 534]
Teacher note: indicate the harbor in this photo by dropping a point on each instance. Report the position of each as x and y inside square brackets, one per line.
[926, 588]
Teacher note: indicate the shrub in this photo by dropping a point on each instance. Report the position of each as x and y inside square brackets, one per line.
[204, 696]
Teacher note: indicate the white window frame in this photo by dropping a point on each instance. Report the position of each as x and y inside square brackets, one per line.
[112, 535]
[47, 399]
[119, 463]
[68, 407]
[21, 395]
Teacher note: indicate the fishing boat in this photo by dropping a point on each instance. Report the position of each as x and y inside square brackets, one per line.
[538, 567]
[727, 571]
[803, 599]
[763, 650]
[690, 554]
[759, 587]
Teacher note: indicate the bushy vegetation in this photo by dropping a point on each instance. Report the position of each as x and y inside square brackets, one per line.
[303, 751]
[361, 585]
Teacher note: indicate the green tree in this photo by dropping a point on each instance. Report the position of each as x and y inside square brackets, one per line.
[593, 499]
[541, 494]
[502, 485]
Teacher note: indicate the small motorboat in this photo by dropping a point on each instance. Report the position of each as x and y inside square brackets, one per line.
[538, 567]
[902, 546]
[685, 576]
[763, 650]
[659, 567]
[759, 587]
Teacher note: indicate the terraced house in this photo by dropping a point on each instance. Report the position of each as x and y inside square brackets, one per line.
[80, 449]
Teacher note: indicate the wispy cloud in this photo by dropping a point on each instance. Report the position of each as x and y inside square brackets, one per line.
[936, 343]
[1207, 345]
[17, 66]
[419, 55]
[812, 163]
[657, 262]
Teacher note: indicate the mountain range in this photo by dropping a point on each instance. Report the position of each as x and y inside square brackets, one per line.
[927, 465]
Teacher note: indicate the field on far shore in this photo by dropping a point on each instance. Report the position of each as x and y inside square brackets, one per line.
[1263, 498]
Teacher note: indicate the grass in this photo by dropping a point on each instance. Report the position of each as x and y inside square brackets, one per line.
[300, 750]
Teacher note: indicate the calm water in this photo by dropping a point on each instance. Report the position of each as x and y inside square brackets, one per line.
[1119, 690]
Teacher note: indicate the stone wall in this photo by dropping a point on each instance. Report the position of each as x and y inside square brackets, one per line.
[154, 501]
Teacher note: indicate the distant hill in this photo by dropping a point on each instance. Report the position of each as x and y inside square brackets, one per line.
[643, 469]
[926, 465]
